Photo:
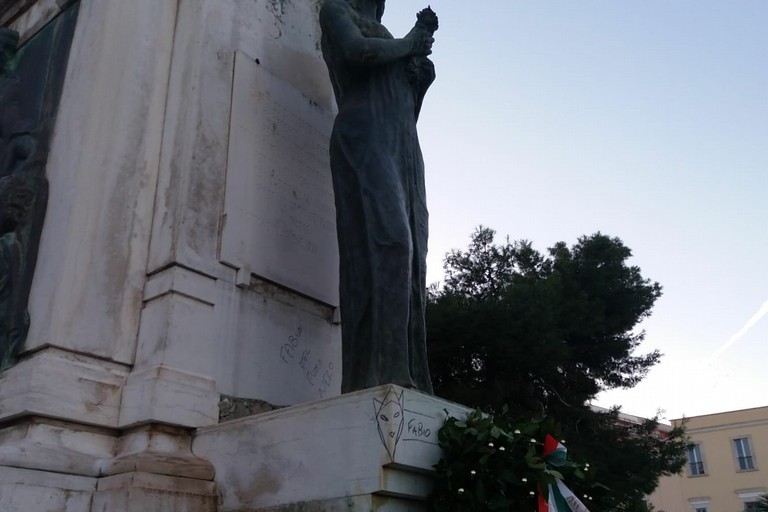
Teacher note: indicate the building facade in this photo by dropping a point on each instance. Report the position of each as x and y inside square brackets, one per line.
[727, 469]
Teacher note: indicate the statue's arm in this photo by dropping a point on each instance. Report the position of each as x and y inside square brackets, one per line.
[339, 27]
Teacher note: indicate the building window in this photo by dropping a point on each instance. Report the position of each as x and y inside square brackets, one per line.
[750, 499]
[744, 459]
[699, 504]
[695, 461]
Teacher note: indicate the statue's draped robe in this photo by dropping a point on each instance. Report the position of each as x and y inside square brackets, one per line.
[381, 215]
[14, 321]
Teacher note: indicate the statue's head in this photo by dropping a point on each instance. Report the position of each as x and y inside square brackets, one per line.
[359, 5]
[8, 43]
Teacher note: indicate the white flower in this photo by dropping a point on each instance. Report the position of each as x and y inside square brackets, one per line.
[473, 472]
[490, 445]
[586, 469]
[525, 479]
[533, 440]
[501, 449]
[461, 490]
[531, 493]
[562, 441]
[586, 465]
[517, 431]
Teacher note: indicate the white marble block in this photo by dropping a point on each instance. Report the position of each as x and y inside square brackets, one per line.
[242, 260]
[55, 446]
[59, 384]
[359, 448]
[22, 490]
[146, 492]
[288, 349]
[279, 213]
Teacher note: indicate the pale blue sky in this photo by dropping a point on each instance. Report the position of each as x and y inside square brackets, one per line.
[643, 119]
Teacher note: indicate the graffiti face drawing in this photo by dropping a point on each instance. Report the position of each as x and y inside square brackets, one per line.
[390, 419]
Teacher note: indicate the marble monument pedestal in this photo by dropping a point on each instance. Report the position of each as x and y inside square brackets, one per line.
[187, 260]
[372, 450]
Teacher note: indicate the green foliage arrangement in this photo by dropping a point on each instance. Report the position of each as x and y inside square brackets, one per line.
[542, 333]
[495, 463]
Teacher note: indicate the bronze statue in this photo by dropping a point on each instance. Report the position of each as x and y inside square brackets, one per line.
[23, 195]
[378, 179]
[16, 199]
[31, 80]
[17, 144]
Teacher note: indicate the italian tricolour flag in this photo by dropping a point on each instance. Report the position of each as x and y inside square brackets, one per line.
[559, 498]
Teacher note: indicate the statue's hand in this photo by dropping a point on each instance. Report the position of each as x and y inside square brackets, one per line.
[421, 42]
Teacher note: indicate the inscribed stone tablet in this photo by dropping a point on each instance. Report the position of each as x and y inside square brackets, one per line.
[280, 219]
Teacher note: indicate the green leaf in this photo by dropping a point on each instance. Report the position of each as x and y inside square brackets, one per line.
[498, 503]
[555, 474]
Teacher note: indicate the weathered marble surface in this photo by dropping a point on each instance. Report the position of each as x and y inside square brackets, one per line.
[280, 220]
[378, 442]
[130, 268]
[102, 170]
[138, 320]
[31, 79]
[55, 446]
[59, 384]
[142, 492]
[24, 490]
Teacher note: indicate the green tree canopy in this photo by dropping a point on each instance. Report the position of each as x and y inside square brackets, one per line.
[544, 334]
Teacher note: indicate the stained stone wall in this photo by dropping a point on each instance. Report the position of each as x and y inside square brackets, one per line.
[187, 251]
[153, 256]
[30, 89]
[263, 330]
